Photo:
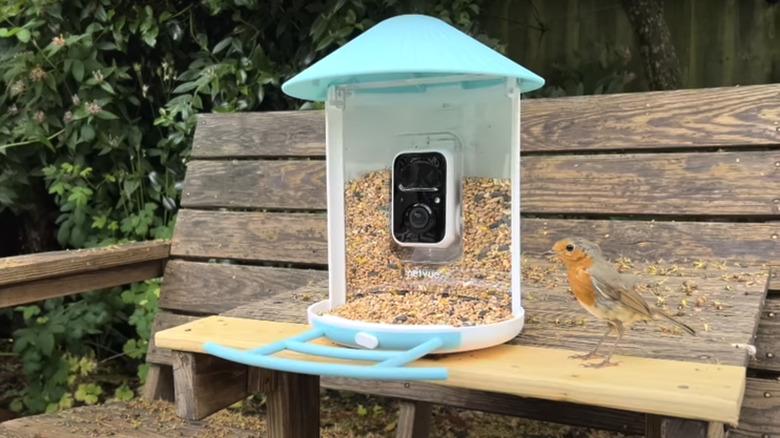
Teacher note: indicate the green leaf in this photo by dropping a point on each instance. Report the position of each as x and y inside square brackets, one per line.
[106, 115]
[23, 35]
[78, 70]
[185, 87]
[221, 45]
[46, 342]
[106, 86]
[124, 393]
[87, 132]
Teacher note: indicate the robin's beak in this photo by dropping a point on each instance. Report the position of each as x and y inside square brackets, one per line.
[548, 253]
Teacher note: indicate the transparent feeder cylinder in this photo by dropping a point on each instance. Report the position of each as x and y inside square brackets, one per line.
[474, 117]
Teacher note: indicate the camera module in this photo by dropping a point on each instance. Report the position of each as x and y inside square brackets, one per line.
[420, 196]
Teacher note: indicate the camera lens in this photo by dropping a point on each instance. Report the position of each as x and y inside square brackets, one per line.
[419, 217]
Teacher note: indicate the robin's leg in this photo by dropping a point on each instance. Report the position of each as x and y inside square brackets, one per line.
[587, 356]
[606, 363]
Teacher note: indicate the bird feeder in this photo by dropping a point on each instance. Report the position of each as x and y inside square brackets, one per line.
[423, 196]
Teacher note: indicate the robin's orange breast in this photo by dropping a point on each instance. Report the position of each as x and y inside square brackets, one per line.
[582, 285]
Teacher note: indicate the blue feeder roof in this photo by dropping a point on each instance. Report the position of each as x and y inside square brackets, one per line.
[406, 47]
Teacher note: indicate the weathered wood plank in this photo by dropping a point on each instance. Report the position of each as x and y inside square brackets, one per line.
[162, 321]
[506, 404]
[716, 184]
[768, 338]
[709, 392]
[37, 266]
[294, 406]
[194, 287]
[668, 427]
[722, 305]
[283, 306]
[729, 117]
[719, 184]
[284, 185]
[260, 134]
[302, 237]
[414, 419]
[159, 382]
[760, 410]
[52, 287]
[680, 242]
[205, 384]
[275, 237]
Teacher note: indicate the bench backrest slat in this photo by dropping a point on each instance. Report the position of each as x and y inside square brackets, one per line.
[728, 118]
[251, 236]
[702, 184]
[208, 288]
[258, 184]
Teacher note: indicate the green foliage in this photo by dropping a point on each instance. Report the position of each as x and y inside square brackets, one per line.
[99, 104]
[600, 69]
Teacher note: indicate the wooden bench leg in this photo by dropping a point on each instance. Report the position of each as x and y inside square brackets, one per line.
[293, 402]
[159, 383]
[204, 384]
[667, 427]
[414, 419]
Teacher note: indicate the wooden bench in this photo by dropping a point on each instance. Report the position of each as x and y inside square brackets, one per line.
[667, 179]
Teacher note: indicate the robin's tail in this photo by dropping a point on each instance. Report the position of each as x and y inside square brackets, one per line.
[676, 322]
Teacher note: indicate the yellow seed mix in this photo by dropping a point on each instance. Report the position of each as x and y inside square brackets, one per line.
[472, 290]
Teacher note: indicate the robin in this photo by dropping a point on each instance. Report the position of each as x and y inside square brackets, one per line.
[604, 292]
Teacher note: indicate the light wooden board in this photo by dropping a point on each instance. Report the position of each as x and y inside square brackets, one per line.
[731, 117]
[701, 184]
[302, 237]
[58, 263]
[193, 287]
[663, 387]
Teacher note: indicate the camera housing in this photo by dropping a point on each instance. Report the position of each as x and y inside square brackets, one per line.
[424, 199]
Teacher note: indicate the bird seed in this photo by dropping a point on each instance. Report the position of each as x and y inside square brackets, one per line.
[472, 290]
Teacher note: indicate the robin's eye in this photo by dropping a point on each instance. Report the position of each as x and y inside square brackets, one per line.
[570, 247]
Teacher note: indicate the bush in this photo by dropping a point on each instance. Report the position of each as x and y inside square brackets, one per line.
[100, 103]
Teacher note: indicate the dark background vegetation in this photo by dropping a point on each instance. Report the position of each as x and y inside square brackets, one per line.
[100, 97]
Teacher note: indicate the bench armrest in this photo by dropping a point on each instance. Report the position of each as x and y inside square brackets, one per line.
[34, 277]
